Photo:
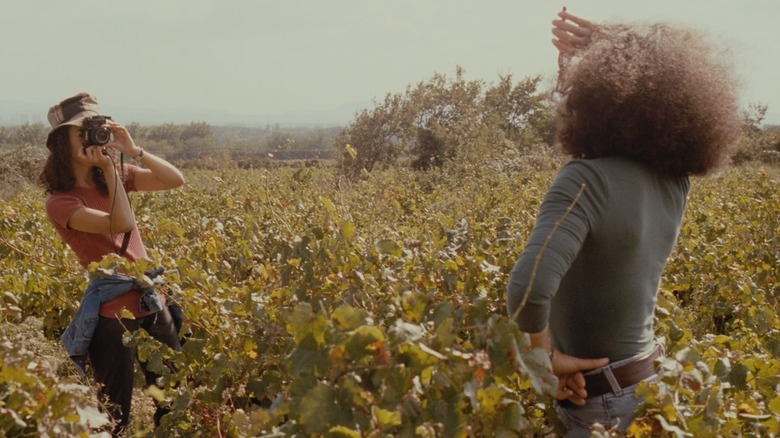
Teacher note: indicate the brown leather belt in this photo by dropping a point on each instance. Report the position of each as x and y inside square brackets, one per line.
[626, 375]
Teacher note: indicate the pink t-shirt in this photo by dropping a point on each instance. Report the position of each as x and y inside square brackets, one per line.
[91, 247]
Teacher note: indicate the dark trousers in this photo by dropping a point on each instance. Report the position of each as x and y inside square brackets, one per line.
[113, 363]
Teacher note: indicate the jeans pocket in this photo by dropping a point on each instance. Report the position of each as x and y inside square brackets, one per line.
[574, 424]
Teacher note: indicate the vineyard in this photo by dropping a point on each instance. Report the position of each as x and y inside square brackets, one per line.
[321, 306]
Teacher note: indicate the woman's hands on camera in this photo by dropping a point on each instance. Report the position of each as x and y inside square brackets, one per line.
[121, 140]
[97, 156]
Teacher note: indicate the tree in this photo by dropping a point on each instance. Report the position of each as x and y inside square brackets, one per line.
[447, 114]
[433, 121]
[196, 130]
[519, 110]
[758, 143]
[137, 131]
[168, 133]
[195, 140]
[26, 134]
[376, 136]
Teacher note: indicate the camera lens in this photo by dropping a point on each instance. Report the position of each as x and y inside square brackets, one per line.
[102, 136]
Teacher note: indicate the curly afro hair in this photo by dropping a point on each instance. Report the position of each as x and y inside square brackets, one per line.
[653, 93]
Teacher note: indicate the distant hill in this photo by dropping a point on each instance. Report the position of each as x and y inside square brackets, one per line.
[14, 113]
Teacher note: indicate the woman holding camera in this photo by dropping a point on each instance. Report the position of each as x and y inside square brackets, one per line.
[643, 107]
[90, 209]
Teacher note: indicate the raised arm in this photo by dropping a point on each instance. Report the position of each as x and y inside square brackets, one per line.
[159, 174]
[120, 217]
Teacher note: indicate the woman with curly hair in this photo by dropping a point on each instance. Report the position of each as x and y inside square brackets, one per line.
[642, 108]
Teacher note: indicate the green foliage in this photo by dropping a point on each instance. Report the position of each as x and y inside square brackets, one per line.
[717, 310]
[19, 168]
[321, 307]
[759, 144]
[34, 399]
[22, 135]
[440, 119]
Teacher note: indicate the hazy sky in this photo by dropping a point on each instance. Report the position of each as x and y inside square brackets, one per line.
[278, 56]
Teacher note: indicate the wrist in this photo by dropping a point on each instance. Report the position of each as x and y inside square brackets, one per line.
[139, 154]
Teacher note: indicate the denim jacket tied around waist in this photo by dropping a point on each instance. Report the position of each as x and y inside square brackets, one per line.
[79, 332]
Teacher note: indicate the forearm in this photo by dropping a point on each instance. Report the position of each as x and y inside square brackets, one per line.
[541, 340]
[121, 217]
[164, 175]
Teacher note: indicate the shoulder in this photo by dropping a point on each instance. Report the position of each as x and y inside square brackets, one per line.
[595, 181]
[611, 170]
[74, 198]
[590, 173]
[604, 166]
[60, 198]
[624, 175]
[60, 206]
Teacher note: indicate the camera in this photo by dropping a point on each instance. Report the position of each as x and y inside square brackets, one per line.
[95, 132]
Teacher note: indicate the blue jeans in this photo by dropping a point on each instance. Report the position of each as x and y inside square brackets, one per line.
[611, 410]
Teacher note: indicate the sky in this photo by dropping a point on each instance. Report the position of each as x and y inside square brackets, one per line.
[281, 56]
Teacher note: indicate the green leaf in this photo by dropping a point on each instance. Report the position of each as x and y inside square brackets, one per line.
[342, 432]
[360, 343]
[318, 409]
[303, 322]
[328, 204]
[738, 376]
[385, 418]
[308, 359]
[536, 365]
[347, 317]
[414, 305]
[389, 247]
[774, 405]
[156, 393]
[348, 231]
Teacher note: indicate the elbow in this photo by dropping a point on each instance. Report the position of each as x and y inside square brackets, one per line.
[123, 226]
[178, 181]
[173, 181]
[514, 300]
[528, 305]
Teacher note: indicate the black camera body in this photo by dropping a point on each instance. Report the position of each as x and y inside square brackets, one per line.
[95, 132]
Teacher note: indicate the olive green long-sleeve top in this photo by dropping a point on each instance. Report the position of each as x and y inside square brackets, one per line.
[597, 278]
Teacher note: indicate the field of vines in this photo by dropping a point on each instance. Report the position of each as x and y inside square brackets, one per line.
[320, 306]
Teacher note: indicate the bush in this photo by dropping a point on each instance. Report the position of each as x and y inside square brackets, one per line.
[443, 119]
[19, 168]
[758, 144]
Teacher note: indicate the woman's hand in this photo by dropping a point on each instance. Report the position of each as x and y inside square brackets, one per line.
[571, 381]
[571, 33]
[97, 156]
[568, 369]
[121, 140]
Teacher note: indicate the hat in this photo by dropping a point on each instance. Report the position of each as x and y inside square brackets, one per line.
[72, 111]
